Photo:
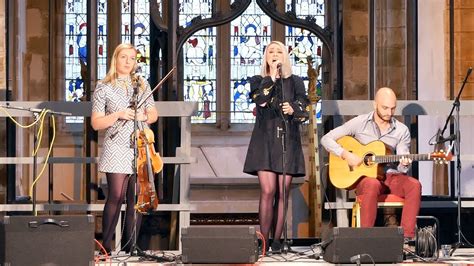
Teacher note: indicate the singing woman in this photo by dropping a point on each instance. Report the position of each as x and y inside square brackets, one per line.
[279, 96]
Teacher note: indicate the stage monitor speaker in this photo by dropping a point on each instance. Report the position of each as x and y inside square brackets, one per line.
[368, 245]
[47, 240]
[219, 244]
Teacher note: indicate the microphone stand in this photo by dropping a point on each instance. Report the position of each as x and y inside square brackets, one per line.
[35, 112]
[285, 248]
[457, 148]
[133, 246]
[136, 104]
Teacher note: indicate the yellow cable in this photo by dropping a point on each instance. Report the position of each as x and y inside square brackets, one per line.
[16, 122]
[39, 134]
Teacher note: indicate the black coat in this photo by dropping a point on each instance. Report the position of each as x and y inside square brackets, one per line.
[265, 149]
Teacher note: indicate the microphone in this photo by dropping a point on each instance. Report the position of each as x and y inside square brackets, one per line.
[135, 86]
[135, 83]
[136, 78]
[442, 139]
[279, 69]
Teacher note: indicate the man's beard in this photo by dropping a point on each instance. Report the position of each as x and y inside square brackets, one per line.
[385, 118]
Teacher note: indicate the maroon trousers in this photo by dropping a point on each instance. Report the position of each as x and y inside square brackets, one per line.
[407, 187]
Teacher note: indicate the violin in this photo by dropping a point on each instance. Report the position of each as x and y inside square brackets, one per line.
[149, 163]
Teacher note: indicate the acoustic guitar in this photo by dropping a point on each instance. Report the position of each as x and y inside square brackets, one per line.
[374, 156]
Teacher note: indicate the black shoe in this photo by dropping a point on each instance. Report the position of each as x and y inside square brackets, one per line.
[409, 241]
[276, 246]
[102, 256]
[106, 252]
[126, 251]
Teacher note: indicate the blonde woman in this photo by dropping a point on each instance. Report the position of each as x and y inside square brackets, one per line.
[279, 96]
[111, 112]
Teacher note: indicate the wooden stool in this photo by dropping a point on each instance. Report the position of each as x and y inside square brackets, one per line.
[385, 200]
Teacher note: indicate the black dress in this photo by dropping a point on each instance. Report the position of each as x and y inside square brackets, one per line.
[265, 149]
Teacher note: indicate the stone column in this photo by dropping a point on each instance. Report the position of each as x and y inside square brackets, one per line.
[391, 46]
[355, 49]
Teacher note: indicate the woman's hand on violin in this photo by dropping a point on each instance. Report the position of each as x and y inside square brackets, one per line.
[127, 114]
[141, 116]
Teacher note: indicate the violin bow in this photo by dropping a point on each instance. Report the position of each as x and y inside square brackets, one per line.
[142, 101]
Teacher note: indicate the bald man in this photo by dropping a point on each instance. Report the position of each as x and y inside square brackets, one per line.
[381, 125]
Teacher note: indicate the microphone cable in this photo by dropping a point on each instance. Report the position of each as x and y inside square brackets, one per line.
[426, 245]
[357, 258]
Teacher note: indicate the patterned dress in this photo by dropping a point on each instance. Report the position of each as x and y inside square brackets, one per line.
[117, 154]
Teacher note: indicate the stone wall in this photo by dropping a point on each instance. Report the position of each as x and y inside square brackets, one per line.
[355, 49]
[463, 46]
[391, 53]
[36, 67]
[391, 46]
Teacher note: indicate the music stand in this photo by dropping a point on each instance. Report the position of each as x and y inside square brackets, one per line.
[35, 112]
[457, 149]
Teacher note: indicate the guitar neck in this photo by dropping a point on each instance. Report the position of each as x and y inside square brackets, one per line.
[396, 158]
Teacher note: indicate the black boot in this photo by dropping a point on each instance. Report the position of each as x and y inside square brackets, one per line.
[276, 246]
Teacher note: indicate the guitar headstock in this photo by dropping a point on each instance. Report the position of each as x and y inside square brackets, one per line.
[441, 157]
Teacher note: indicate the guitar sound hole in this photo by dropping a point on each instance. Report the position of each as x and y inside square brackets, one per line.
[367, 160]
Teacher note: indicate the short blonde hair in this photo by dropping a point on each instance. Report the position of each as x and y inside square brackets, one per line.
[286, 70]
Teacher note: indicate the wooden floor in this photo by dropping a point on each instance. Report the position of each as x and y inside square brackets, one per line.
[305, 256]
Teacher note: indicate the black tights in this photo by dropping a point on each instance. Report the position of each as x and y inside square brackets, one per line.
[117, 184]
[270, 211]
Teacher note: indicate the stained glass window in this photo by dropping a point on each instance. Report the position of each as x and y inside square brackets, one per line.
[304, 46]
[75, 52]
[76, 49]
[102, 39]
[141, 34]
[250, 33]
[199, 55]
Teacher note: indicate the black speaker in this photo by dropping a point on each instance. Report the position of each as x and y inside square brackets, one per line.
[219, 244]
[47, 240]
[368, 245]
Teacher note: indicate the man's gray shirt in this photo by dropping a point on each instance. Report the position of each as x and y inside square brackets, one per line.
[365, 130]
